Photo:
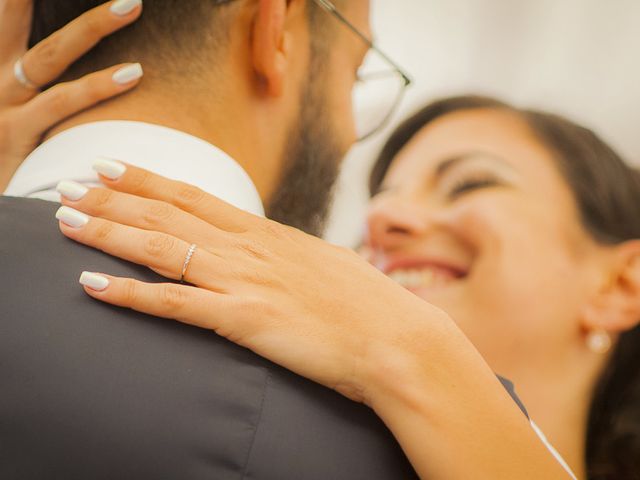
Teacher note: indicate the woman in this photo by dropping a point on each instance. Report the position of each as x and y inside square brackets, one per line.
[492, 188]
[507, 215]
[521, 226]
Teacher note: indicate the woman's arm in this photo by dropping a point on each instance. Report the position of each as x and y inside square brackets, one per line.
[452, 416]
[316, 309]
[25, 113]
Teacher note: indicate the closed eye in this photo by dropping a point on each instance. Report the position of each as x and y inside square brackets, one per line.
[469, 185]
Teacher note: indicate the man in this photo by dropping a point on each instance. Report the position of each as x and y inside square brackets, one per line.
[95, 392]
[249, 100]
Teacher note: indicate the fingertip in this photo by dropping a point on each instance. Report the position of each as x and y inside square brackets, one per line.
[135, 13]
[125, 8]
[92, 293]
[71, 192]
[128, 73]
[69, 232]
[94, 282]
[100, 295]
[72, 218]
[120, 84]
[129, 85]
[108, 169]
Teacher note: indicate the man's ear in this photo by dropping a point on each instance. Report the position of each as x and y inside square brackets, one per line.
[270, 45]
[615, 307]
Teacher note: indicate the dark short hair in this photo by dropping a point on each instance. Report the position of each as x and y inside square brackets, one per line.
[179, 36]
[607, 192]
[170, 33]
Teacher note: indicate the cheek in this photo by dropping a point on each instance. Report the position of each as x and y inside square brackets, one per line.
[515, 242]
[522, 296]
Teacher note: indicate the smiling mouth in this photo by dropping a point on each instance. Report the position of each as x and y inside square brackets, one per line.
[422, 278]
[425, 276]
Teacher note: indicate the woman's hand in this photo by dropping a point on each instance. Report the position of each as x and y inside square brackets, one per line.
[25, 113]
[287, 296]
[316, 309]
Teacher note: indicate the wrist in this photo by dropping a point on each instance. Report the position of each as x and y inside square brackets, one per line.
[402, 369]
[432, 388]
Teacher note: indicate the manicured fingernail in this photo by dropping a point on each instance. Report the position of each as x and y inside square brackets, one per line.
[123, 7]
[128, 74]
[71, 217]
[111, 169]
[94, 281]
[71, 190]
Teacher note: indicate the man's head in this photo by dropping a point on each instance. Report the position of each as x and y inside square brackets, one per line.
[268, 81]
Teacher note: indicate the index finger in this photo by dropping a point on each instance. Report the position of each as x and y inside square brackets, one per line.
[143, 183]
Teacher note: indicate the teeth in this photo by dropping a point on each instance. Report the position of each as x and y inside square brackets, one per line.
[416, 278]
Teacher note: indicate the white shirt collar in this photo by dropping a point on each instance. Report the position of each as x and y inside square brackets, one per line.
[165, 151]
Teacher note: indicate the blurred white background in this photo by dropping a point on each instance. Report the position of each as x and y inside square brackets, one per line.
[579, 58]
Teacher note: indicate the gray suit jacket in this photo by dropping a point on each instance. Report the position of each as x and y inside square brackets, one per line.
[89, 391]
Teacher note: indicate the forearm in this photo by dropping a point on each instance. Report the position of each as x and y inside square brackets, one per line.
[452, 416]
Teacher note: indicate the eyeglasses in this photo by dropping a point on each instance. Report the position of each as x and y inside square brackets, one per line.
[380, 86]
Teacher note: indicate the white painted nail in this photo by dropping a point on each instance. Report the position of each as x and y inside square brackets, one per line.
[72, 217]
[111, 169]
[94, 281]
[123, 7]
[128, 73]
[73, 191]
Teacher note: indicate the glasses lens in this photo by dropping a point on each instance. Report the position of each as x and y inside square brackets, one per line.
[375, 95]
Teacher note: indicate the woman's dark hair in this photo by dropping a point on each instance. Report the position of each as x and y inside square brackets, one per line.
[607, 192]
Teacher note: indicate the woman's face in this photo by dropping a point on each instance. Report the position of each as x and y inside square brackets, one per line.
[475, 217]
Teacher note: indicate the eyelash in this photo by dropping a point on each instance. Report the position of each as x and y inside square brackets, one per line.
[468, 185]
[461, 187]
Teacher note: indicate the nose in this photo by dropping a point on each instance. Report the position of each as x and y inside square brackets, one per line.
[392, 222]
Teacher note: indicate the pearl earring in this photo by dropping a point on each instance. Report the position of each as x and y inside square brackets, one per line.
[599, 341]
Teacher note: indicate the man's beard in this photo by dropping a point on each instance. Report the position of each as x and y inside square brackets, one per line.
[312, 164]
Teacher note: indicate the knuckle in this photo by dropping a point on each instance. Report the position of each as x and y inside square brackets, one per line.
[173, 298]
[263, 311]
[137, 181]
[59, 100]
[187, 196]
[103, 231]
[158, 245]
[273, 229]
[90, 24]
[261, 279]
[46, 54]
[253, 249]
[101, 199]
[253, 315]
[157, 214]
[94, 89]
[258, 277]
[129, 291]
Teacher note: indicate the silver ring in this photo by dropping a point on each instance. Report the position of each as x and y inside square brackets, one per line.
[21, 77]
[187, 261]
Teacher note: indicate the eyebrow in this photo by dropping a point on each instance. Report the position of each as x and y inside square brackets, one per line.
[452, 162]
